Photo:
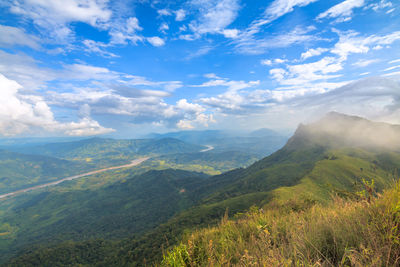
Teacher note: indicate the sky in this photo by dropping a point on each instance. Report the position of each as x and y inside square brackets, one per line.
[125, 68]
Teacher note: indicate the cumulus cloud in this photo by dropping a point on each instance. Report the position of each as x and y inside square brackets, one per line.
[156, 41]
[342, 11]
[26, 113]
[306, 73]
[180, 15]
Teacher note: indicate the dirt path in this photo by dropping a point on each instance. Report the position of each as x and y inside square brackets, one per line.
[133, 163]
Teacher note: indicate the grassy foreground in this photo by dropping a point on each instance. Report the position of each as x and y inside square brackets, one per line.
[363, 231]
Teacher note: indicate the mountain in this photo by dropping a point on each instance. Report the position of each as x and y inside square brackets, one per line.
[335, 155]
[264, 132]
[107, 151]
[20, 170]
[261, 142]
[125, 208]
[194, 137]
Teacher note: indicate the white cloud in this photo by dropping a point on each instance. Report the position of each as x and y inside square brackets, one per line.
[381, 5]
[365, 62]
[248, 44]
[304, 74]
[231, 84]
[24, 70]
[212, 76]
[278, 8]
[98, 48]
[85, 72]
[10, 36]
[163, 27]
[313, 52]
[275, 10]
[164, 12]
[280, 60]
[392, 68]
[29, 113]
[123, 32]
[201, 52]
[230, 33]
[180, 15]
[390, 11]
[214, 17]
[352, 43]
[54, 16]
[394, 61]
[266, 62]
[155, 41]
[343, 11]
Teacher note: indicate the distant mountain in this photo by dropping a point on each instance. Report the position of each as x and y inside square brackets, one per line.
[32, 141]
[108, 152]
[264, 132]
[261, 142]
[330, 156]
[195, 137]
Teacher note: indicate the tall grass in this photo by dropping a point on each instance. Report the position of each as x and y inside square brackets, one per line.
[362, 232]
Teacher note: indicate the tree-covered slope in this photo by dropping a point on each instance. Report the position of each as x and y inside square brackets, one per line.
[108, 152]
[124, 208]
[333, 155]
[20, 170]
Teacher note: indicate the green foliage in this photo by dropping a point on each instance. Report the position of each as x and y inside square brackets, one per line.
[109, 152]
[19, 170]
[344, 233]
[296, 225]
[131, 206]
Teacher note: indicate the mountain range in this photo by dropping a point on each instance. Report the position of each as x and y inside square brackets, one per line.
[133, 220]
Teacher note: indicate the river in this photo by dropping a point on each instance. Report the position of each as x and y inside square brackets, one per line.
[133, 163]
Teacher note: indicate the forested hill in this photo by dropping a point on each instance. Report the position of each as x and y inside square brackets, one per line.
[107, 151]
[333, 156]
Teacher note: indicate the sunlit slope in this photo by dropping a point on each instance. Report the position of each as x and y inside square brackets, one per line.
[331, 156]
[20, 171]
[128, 207]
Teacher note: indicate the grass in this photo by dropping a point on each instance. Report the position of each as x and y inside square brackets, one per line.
[343, 233]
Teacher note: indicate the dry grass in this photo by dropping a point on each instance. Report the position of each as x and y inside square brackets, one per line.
[344, 233]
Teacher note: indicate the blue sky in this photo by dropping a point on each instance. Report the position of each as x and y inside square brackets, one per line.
[126, 68]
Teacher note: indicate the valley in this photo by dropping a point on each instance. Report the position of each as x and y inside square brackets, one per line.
[130, 215]
[132, 164]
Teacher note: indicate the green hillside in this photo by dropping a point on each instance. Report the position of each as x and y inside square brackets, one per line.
[363, 231]
[19, 170]
[128, 207]
[330, 157]
[108, 152]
